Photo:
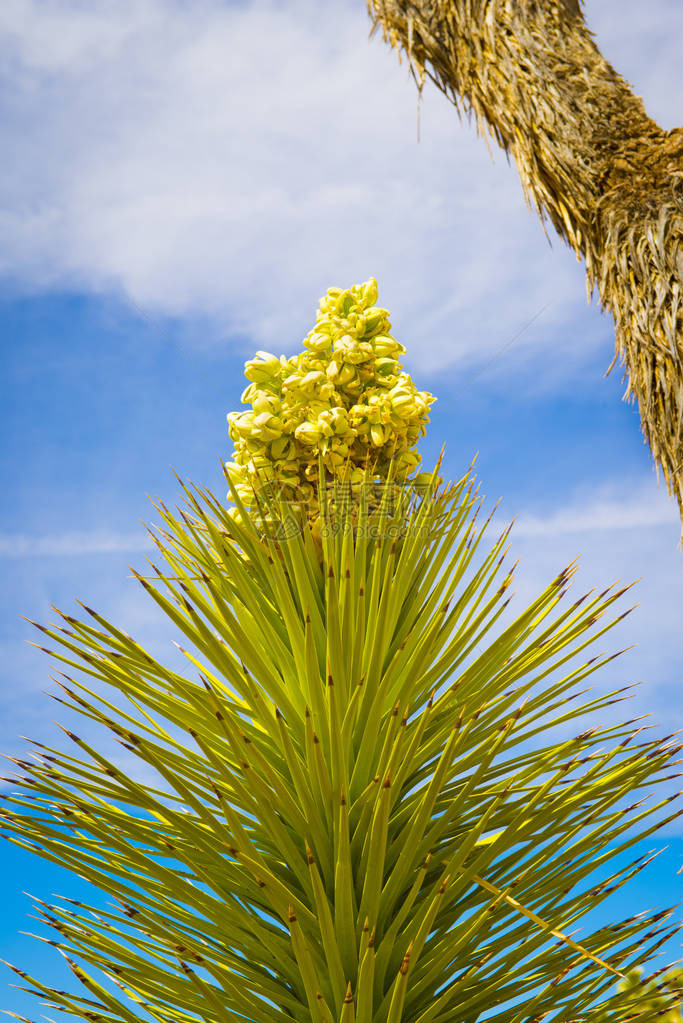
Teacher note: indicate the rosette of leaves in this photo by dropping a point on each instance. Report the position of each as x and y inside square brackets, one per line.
[344, 402]
[373, 794]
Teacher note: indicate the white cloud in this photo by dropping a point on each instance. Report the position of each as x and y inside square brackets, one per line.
[72, 544]
[643, 42]
[646, 511]
[235, 160]
[621, 533]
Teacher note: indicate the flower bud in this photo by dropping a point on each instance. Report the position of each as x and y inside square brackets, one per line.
[369, 292]
[267, 426]
[377, 435]
[386, 345]
[266, 403]
[346, 375]
[403, 402]
[234, 471]
[241, 423]
[317, 342]
[385, 366]
[249, 394]
[263, 368]
[374, 319]
[281, 447]
[307, 433]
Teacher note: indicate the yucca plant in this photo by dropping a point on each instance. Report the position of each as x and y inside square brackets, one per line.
[374, 795]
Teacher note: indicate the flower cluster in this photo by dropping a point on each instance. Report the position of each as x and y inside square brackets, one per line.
[343, 400]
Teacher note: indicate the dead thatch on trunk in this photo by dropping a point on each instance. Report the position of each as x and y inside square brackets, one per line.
[590, 160]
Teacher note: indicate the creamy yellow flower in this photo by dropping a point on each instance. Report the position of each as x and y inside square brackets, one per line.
[308, 433]
[264, 367]
[344, 398]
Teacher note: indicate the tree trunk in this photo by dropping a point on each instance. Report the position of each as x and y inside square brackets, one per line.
[608, 178]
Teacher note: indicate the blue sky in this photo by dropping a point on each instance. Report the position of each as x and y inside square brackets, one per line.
[214, 169]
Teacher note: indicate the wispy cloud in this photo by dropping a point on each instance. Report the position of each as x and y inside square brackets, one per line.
[71, 544]
[236, 159]
[619, 535]
[595, 516]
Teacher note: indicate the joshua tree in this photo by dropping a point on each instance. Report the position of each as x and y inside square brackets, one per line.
[590, 160]
[367, 799]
